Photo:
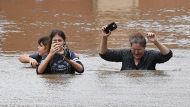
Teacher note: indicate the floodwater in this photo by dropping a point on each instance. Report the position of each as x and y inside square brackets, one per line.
[102, 84]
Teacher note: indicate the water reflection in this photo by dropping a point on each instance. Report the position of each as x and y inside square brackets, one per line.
[102, 84]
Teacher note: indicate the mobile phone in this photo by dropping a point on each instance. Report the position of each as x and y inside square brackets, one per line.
[112, 26]
[66, 52]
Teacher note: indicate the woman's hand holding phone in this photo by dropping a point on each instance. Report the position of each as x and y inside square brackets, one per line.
[56, 48]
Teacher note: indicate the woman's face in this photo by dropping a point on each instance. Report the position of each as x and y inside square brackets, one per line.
[57, 39]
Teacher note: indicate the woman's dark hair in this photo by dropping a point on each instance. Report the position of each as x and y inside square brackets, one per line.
[53, 33]
[44, 40]
[137, 38]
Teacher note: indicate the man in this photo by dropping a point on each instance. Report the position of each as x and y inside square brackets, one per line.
[137, 57]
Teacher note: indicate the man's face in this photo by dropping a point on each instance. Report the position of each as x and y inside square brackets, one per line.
[137, 51]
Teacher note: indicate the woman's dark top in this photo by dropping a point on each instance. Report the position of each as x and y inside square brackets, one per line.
[59, 65]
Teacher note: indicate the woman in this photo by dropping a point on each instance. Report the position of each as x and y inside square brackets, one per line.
[58, 59]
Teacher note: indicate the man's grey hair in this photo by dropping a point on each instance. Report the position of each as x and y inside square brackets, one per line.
[137, 38]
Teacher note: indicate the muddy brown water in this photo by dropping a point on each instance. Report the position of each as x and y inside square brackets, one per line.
[102, 84]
